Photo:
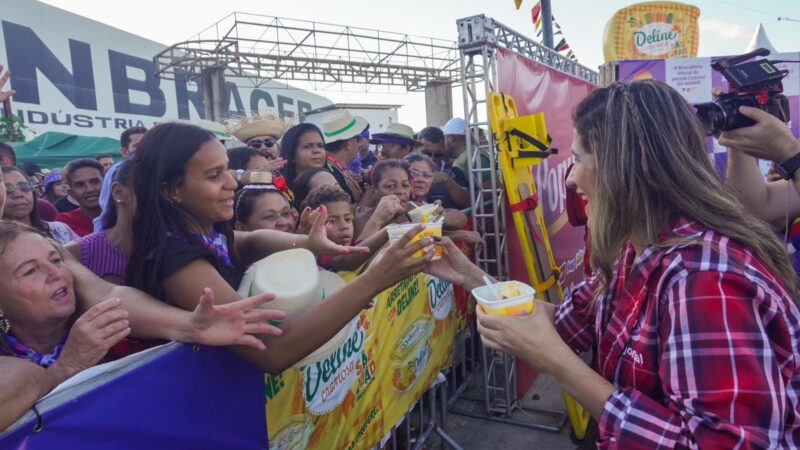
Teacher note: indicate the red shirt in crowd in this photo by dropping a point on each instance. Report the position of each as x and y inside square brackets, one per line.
[80, 223]
[701, 341]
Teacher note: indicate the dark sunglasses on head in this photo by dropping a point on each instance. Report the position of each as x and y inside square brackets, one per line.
[26, 186]
[257, 143]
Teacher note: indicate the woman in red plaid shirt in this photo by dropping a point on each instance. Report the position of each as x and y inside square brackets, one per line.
[692, 306]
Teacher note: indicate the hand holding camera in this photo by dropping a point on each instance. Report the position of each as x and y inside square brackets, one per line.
[768, 138]
[755, 84]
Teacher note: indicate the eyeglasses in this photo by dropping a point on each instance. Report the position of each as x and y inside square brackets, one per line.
[25, 186]
[258, 143]
[418, 174]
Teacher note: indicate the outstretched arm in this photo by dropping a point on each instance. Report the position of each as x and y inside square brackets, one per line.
[311, 328]
[767, 139]
[153, 319]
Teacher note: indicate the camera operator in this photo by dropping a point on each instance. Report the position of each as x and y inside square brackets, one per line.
[768, 139]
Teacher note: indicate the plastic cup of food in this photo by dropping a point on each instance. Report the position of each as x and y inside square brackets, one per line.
[431, 230]
[516, 299]
[423, 214]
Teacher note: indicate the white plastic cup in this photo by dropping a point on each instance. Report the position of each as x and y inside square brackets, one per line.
[521, 305]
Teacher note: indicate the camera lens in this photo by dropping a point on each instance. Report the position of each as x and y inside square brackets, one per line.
[713, 117]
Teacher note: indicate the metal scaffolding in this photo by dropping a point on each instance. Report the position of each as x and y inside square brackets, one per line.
[479, 38]
[263, 48]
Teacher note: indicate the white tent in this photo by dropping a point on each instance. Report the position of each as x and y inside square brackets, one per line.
[760, 40]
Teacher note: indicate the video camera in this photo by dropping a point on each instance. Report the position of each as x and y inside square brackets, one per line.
[755, 83]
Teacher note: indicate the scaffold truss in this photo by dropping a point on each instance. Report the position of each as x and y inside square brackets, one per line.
[264, 48]
[479, 38]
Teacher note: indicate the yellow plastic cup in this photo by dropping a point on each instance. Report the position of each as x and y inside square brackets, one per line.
[519, 305]
[431, 230]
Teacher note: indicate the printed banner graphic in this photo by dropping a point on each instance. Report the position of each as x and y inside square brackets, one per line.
[353, 398]
[182, 396]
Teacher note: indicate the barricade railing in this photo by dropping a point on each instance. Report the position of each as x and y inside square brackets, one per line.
[420, 424]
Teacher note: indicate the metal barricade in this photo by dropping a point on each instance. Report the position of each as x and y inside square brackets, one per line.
[420, 423]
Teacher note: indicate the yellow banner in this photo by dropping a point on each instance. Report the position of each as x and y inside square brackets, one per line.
[352, 398]
[652, 30]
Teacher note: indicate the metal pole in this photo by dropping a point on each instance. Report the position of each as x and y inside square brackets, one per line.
[547, 24]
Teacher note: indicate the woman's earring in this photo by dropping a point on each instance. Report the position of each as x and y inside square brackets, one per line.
[5, 325]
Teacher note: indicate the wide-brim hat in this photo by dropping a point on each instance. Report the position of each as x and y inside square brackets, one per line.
[247, 128]
[341, 125]
[298, 284]
[396, 133]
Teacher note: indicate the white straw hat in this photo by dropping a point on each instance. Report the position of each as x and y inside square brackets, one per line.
[298, 284]
[342, 125]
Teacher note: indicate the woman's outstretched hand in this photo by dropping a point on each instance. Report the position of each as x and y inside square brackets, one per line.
[455, 267]
[235, 323]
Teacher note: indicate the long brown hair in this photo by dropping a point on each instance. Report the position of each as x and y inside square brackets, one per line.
[651, 163]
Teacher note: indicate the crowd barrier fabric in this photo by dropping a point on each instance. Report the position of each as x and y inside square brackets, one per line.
[183, 396]
[174, 396]
[353, 398]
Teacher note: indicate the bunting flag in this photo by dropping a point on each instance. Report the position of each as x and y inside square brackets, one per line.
[536, 11]
[536, 18]
[517, 3]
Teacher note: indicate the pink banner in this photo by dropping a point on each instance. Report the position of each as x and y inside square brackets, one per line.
[537, 88]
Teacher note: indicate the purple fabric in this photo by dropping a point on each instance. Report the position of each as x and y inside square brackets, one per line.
[102, 258]
[40, 359]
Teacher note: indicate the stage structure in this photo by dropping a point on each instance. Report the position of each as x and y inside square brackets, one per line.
[263, 48]
[479, 39]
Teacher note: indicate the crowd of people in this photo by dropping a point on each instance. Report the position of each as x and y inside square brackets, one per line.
[691, 307]
[84, 287]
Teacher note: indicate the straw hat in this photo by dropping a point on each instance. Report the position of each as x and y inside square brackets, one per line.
[342, 125]
[396, 133]
[298, 284]
[246, 128]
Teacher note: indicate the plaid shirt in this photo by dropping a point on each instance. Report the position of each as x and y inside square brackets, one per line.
[702, 343]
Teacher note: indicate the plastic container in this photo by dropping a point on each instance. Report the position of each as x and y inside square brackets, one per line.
[431, 230]
[517, 305]
[424, 213]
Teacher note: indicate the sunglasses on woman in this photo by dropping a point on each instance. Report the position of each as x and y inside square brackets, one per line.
[258, 143]
[26, 186]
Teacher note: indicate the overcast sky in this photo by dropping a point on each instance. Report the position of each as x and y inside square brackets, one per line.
[725, 26]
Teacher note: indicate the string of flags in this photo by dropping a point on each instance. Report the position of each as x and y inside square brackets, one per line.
[536, 17]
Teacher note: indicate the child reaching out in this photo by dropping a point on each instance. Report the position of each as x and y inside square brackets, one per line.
[340, 212]
[340, 227]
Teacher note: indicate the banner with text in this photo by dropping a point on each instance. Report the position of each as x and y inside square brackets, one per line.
[538, 88]
[87, 78]
[353, 398]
